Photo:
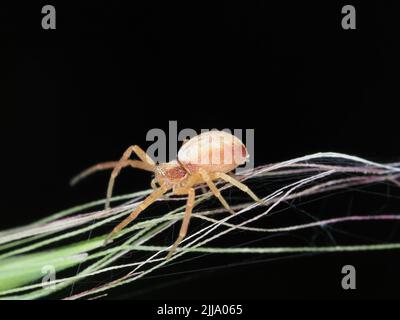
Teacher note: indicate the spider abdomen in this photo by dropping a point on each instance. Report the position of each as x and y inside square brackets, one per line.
[213, 151]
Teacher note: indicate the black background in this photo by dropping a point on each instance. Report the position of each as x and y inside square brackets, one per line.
[110, 72]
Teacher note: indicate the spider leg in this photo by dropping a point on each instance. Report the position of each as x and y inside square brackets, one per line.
[156, 194]
[238, 185]
[110, 165]
[142, 156]
[215, 190]
[185, 222]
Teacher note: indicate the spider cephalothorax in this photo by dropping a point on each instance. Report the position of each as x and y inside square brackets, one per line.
[200, 161]
[171, 173]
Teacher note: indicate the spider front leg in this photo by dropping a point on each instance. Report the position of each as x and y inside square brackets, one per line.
[110, 165]
[185, 222]
[142, 156]
[156, 194]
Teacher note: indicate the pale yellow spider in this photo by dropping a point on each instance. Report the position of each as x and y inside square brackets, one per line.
[201, 160]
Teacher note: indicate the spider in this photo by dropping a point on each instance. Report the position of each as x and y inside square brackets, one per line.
[201, 160]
